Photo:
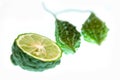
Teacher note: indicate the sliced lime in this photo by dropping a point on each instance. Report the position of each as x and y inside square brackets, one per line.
[38, 46]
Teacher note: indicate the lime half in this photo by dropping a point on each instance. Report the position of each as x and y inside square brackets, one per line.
[38, 46]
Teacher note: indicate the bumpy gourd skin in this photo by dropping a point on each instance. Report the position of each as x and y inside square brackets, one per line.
[27, 62]
[94, 30]
[67, 37]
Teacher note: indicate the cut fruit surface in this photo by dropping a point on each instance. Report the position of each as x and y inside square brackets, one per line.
[39, 47]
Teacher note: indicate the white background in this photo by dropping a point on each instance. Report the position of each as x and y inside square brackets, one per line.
[90, 62]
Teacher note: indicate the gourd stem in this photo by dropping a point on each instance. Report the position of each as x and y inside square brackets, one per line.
[48, 10]
[73, 10]
[64, 11]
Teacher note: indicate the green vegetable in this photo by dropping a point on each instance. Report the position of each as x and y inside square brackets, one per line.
[67, 36]
[94, 30]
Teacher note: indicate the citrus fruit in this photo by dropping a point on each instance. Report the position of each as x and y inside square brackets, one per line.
[35, 52]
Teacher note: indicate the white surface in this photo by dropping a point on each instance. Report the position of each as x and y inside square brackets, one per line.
[91, 62]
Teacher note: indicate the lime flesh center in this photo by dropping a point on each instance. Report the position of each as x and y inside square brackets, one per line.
[40, 49]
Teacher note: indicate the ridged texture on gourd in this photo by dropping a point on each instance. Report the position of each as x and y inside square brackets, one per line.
[94, 30]
[67, 36]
